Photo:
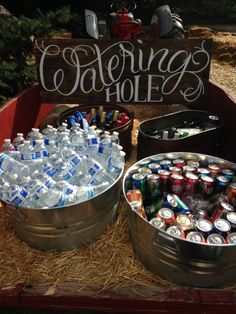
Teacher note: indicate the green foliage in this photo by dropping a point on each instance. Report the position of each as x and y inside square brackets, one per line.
[17, 66]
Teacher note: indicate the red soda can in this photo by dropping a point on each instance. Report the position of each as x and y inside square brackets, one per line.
[167, 215]
[221, 211]
[179, 163]
[175, 170]
[191, 183]
[177, 184]
[214, 169]
[164, 181]
[206, 185]
[231, 193]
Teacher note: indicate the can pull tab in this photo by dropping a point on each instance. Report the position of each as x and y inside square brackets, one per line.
[165, 242]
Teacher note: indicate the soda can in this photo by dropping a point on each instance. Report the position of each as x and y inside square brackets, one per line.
[165, 164]
[128, 181]
[221, 211]
[206, 186]
[144, 163]
[164, 181]
[156, 158]
[167, 215]
[139, 183]
[153, 187]
[214, 169]
[193, 163]
[196, 237]
[184, 222]
[200, 214]
[175, 170]
[188, 168]
[177, 184]
[179, 163]
[158, 223]
[203, 172]
[228, 173]
[139, 210]
[204, 226]
[176, 204]
[215, 238]
[231, 218]
[231, 238]
[222, 227]
[191, 183]
[230, 193]
[134, 196]
[145, 171]
[154, 167]
[175, 231]
[221, 183]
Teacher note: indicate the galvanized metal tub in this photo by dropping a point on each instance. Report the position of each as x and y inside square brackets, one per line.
[207, 142]
[176, 259]
[69, 227]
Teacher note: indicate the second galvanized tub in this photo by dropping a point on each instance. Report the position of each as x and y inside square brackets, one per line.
[69, 227]
[176, 259]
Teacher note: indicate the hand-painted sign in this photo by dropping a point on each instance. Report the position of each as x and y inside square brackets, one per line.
[92, 72]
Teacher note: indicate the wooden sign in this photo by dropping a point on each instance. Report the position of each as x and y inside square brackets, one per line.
[98, 72]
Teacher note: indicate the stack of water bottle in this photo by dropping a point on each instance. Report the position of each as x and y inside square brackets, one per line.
[59, 167]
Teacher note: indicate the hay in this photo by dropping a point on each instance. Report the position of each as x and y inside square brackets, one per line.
[108, 263]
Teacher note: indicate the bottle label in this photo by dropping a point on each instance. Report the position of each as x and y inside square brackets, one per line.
[29, 156]
[42, 153]
[92, 143]
[104, 150]
[19, 198]
[62, 201]
[90, 192]
[39, 191]
[94, 169]
[75, 160]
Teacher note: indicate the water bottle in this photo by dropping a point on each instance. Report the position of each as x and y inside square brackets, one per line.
[75, 128]
[19, 139]
[115, 137]
[44, 178]
[51, 148]
[63, 127]
[11, 166]
[96, 172]
[104, 150]
[27, 155]
[34, 135]
[50, 134]
[4, 188]
[78, 142]
[40, 150]
[52, 198]
[92, 141]
[35, 189]
[7, 146]
[17, 195]
[116, 164]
